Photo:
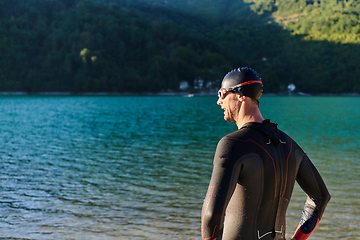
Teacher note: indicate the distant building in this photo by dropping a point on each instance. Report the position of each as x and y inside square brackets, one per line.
[198, 83]
[184, 85]
[209, 84]
[291, 87]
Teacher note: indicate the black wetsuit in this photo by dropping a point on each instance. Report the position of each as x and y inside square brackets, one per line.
[254, 172]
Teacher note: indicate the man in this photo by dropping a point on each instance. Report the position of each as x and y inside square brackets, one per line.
[254, 172]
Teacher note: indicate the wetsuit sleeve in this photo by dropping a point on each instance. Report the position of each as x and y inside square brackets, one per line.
[311, 182]
[223, 181]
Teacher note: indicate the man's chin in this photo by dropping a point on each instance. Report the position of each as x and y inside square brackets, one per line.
[226, 118]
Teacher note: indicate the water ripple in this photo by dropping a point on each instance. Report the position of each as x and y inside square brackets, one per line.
[138, 167]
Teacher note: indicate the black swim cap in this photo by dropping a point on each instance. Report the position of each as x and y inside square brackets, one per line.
[243, 81]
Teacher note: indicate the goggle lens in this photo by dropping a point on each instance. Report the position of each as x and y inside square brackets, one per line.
[222, 93]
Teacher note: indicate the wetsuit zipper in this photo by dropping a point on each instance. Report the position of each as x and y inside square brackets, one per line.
[282, 173]
[280, 168]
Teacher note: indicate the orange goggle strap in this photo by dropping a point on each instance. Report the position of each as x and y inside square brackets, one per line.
[224, 91]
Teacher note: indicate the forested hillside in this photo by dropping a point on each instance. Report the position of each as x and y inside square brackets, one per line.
[330, 20]
[152, 45]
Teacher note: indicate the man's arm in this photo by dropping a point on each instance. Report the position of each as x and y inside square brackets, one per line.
[223, 181]
[311, 182]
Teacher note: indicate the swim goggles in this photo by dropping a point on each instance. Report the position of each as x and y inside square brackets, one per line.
[223, 91]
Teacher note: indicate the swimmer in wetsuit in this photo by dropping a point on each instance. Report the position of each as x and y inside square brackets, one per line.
[255, 169]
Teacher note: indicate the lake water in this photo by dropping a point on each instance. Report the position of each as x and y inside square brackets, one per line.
[138, 167]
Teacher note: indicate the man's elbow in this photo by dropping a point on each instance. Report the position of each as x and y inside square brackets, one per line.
[327, 197]
[212, 223]
[211, 218]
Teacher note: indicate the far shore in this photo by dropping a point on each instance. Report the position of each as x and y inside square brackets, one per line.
[167, 93]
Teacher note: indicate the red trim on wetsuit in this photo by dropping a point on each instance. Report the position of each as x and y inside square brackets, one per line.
[299, 235]
[265, 151]
[212, 237]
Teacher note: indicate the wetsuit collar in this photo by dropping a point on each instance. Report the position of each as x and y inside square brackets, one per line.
[266, 127]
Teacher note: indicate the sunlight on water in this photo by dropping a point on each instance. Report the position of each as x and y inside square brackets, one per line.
[138, 167]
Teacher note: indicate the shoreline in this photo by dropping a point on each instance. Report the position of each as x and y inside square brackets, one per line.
[170, 93]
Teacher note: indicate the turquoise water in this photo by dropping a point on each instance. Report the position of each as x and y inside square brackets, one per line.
[138, 167]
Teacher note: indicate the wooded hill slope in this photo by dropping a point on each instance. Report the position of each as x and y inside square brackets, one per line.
[152, 45]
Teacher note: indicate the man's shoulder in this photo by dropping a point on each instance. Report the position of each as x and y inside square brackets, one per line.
[241, 134]
[258, 132]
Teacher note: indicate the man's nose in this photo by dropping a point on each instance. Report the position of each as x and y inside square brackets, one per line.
[219, 101]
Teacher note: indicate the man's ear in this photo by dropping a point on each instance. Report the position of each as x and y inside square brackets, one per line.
[241, 98]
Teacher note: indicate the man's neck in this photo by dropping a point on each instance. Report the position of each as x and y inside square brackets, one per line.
[249, 113]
